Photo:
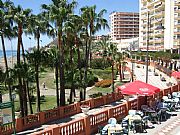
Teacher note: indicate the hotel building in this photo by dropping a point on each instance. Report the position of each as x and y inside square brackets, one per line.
[124, 25]
[160, 13]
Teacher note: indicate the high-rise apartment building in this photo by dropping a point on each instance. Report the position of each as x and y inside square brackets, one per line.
[124, 25]
[160, 13]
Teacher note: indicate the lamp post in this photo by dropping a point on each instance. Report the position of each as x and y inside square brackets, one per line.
[147, 47]
[132, 63]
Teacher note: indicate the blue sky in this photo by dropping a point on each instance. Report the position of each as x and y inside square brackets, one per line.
[109, 5]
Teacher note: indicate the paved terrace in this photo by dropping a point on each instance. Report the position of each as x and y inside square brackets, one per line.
[140, 75]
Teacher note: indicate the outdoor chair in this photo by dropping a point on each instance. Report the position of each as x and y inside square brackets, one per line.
[144, 108]
[162, 115]
[174, 94]
[153, 117]
[100, 130]
[125, 126]
[145, 120]
[138, 126]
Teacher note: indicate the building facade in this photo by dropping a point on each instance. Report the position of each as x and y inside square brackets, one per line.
[160, 21]
[124, 25]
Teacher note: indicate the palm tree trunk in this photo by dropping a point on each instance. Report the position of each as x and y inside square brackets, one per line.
[79, 67]
[61, 69]
[29, 98]
[23, 53]
[85, 70]
[120, 72]
[19, 76]
[112, 75]
[88, 47]
[72, 92]
[37, 79]
[6, 66]
[25, 98]
[57, 88]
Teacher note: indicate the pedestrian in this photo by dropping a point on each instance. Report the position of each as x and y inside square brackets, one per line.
[44, 86]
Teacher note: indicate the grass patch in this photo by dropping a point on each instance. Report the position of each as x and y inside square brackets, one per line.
[104, 74]
[48, 78]
[104, 91]
[119, 84]
[49, 102]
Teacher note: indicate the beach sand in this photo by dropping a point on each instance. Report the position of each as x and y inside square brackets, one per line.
[11, 61]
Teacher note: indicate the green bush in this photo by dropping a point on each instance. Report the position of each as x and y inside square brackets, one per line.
[99, 63]
[95, 95]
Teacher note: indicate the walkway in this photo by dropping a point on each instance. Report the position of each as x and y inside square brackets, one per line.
[140, 74]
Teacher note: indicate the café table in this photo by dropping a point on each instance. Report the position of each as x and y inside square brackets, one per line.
[117, 129]
[133, 117]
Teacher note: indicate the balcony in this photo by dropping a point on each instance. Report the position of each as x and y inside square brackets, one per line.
[177, 25]
[160, 40]
[177, 32]
[177, 4]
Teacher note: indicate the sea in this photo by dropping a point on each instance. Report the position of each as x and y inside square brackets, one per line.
[9, 53]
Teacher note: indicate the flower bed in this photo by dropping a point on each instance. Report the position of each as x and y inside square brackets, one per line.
[104, 83]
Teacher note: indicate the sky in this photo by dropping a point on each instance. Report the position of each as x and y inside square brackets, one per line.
[35, 5]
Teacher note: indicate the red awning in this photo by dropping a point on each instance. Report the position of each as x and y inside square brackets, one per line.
[138, 88]
[176, 74]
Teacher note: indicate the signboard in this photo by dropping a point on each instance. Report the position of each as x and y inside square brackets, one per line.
[6, 113]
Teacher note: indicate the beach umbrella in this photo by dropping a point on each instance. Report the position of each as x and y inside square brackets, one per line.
[176, 74]
[138, 88]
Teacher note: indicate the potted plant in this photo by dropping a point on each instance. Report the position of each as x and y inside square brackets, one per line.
[85, 109]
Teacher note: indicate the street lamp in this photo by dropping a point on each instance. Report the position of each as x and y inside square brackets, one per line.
[147, 49]
[132, 62]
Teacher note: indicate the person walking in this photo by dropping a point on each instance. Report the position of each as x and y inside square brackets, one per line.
[44, 86]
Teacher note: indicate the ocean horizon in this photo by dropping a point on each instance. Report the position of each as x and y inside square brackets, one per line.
[9, 53]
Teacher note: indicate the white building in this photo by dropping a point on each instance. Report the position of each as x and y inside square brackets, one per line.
[127, 44]
[161, 13]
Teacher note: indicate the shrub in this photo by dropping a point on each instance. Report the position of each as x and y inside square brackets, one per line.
[95, 95]
[104, 83]
[99, 63]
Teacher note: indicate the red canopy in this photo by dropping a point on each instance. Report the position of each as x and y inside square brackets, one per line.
[138, 88]
[176, 74]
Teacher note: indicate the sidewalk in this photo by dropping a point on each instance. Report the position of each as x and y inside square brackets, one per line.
[140, 74]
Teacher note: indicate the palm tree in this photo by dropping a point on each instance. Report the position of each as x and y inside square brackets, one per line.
[112, 53]
[36, 58]
[92, 23]
[104, 46]
[58, 12]
[37, 25]
[119, 59]
[53, 61]
[6, 30]
[20, 17]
